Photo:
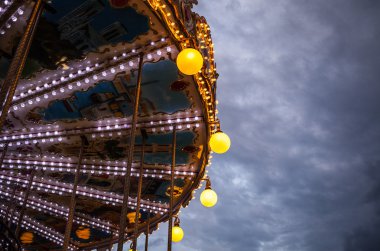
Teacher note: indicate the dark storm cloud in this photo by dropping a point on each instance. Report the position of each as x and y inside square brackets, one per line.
[299, 94]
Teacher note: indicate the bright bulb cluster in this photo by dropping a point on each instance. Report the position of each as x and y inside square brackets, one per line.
[54, 209]
[71, 80]
[16, 16]
[110, 130]
[57, 187]
[28, 223]
[110, 169]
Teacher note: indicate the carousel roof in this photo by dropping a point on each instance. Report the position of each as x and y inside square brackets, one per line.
[78, 87]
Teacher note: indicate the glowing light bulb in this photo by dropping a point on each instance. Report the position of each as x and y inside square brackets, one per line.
[220, 142]
[177, 234]
[208, 197]
[189, 61]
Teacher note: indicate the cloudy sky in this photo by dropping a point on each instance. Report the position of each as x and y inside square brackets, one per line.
[299, 94]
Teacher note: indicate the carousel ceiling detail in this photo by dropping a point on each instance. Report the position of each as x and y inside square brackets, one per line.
[107, 112]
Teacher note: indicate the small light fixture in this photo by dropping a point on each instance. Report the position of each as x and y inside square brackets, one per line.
[189, 61]
[220, 142]
[177, 232]
[208, 197]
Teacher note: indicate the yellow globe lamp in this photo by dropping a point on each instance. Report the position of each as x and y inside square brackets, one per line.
[177, 234]
[208, 198]
[220, 142]
[189, 61]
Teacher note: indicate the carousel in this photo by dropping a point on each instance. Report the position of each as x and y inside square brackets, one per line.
[108, 121]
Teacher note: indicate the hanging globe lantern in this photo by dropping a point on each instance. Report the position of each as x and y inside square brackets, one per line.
[189, 61]
[220, 142]
[177, 234]
[208, 196]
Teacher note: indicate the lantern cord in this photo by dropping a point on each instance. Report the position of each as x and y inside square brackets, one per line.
[176, 221]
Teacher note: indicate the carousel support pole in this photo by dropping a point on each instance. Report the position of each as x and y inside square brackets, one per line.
[111, 245]
[18, 62]
[25, 201]
[147, 232]
[127, 177]
[139, 189]
[172, 190]
[70, 219]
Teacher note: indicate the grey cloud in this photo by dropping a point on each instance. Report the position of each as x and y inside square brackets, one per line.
[299, 92]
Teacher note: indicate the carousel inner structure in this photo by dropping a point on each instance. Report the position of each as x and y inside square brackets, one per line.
[108, 121]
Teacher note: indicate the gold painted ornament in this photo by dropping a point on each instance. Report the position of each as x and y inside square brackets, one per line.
[131, 217]
[83, 233]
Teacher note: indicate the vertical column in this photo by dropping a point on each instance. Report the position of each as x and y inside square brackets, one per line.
[170, 225]
[25, 201]
[17, 65]
[69, 225]
[127, 177]
[147, 232]
[139, 188]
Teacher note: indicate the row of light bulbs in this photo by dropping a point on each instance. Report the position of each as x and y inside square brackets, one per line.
[92, 163]
[56, 187]
[117, 125]
[99, 65]
[116, 171]
[82, 79]
[106, 131]
[43, 230]
[163, 129]
[53, 208]
[16, 15]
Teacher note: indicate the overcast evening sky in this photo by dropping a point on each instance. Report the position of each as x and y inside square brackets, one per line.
[299, 95]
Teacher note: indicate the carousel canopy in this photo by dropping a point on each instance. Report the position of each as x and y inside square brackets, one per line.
[73, 110]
